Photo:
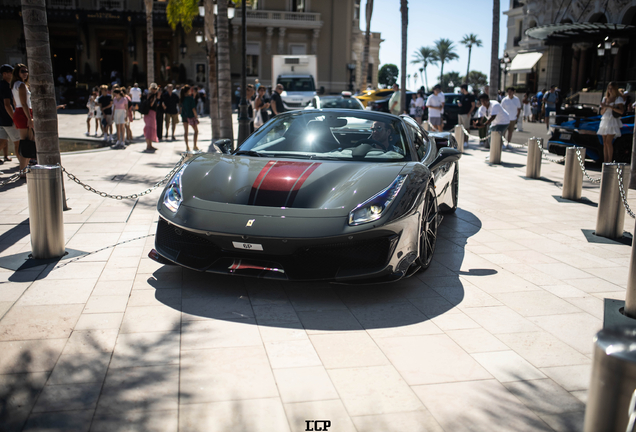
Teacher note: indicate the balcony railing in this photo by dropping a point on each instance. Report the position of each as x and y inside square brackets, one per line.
[69, 4]
[281, 18]
[111, 4]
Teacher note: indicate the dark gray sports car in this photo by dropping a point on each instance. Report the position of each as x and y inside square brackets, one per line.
[338, 195]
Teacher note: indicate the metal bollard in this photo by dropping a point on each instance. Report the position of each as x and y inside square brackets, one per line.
[572, 175]
[46, 223]
[611, 214]
[459, 137]
[533, 166]
[613, 380]
[495, 147]
[630, 294]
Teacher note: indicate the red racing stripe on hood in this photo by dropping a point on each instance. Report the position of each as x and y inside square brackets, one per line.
[278, 183]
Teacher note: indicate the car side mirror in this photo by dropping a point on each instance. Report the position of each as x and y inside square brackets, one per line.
[225, 145]
[445, 155]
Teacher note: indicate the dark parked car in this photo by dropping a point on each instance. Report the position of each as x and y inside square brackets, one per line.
[313, 195]
[328, 102]
[581, 132]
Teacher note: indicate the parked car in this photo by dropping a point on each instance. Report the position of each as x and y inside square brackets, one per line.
[581, 132]
[382, 105]
[326, 102]
[372, 95]
[313, 195]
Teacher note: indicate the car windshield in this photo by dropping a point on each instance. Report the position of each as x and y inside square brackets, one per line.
[353, 135]
[340, 102]
[297, 84]
[452, 98]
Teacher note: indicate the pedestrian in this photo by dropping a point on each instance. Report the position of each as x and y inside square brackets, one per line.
[540, 95]
[170, 102]
[612, 107]
[419, 107]
[150, 119]
[395, 103]
[249, 96]
[277, 103]
[527, 110]
[550, 100]
[261, 104]
[237, 97]
[189, 116]
[91, 113]
[8, 132]
[105, 102]
[435, 104]
[160, 112]
[466, 104]
[498, 119]
[135, 97]
[23, 114]
[120, 111]
[201, 101]
[257, 84]
[512, 105]
[412, 107]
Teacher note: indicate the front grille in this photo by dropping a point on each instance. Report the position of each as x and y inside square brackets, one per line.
[324, 261]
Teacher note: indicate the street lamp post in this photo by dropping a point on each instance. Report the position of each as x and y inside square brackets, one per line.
[243, 120]
[352, 68]
[505, 67]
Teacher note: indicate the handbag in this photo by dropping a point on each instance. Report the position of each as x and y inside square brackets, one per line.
[27, 147]
[258, 119]
[617, 114]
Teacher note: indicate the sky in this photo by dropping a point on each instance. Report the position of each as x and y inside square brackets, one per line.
[430, 20]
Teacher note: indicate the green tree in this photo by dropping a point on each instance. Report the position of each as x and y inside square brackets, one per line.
[387, 75]
[451, 77]
[477, 80]
[425, 56]
[444, 51]
[182, 12]
[470, 40]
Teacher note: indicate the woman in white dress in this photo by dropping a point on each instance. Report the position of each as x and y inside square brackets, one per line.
[610, 126]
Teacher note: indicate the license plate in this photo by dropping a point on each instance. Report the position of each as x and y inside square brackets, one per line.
[248, 246]
[565, 136]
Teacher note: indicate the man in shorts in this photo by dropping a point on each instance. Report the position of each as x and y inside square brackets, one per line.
[435, 105]
[8, 132]
[170, 104]
[135, 97]
[466, 105]
[512, 105]
[498, 119]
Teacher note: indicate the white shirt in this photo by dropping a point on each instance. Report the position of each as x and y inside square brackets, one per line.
[482, 111]
[511, 106]
[16, 95]
[135, 94]
[419, 102]
[501, 116]
[435, 101]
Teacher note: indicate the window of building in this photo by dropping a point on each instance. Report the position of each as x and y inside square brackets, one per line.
[297, 49]
[253, 58]
[298, 5]
[356, 9]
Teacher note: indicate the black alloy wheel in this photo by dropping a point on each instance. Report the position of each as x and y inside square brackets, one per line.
[428, 230]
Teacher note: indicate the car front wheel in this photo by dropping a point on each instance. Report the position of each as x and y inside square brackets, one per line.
[428, 228]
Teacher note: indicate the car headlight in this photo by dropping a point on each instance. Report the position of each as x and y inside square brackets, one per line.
[173, 196]
[373, 208]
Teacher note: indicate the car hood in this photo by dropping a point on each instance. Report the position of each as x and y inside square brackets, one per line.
[215, 181]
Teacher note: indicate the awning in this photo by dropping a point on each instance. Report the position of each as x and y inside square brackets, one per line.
[524, 62]
[566, 33]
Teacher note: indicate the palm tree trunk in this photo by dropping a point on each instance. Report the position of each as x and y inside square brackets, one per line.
[405, 24]
[441, 73]
[36, 35]
[367, 43]
[212, 83]
[426, 77]
[150, 44]
[225, 77]
[494, 52]
[470, 49]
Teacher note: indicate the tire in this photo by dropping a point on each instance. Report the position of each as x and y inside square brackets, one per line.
[429, 225]
[454, 191]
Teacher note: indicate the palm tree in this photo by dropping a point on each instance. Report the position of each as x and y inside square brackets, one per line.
[469, 41]
[181, 12]
[494, 51]
[367, 43]
[426, 56]
[36, 35]
[445, 51]
[224, 77]
[150, 44]
[213, 88]
[404, 8]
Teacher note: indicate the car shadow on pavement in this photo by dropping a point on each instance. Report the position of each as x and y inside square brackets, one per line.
[400, 306]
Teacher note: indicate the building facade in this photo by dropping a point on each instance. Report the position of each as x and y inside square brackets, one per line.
[564, 43]
[100, 41]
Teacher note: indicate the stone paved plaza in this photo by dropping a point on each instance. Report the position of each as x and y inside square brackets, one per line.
[495, 336]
